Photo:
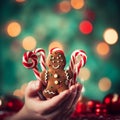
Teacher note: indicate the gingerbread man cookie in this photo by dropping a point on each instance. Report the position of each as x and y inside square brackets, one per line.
[56, 77]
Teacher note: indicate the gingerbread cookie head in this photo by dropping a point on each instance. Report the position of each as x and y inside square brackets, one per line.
[56, 59]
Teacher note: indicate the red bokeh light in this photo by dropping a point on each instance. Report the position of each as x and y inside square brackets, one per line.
[86, 27]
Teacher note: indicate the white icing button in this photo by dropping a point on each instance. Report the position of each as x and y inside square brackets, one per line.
[59, 55]
[56, 82]
[55, 75]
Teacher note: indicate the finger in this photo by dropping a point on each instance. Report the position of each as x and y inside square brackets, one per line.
[33, 88]
[75, 89]
[64, 106]
[60, 111]
[55, 102]
[79, 88]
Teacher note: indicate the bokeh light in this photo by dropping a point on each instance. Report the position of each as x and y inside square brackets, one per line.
[77, 4]
[104, 84]
[110, 36]
[13, 29]
[20, 1]
[29, 43]
[18, 93]
[84, 73]
[23, 87]
[86, 27]
[102, 49]
[64, 6]
[56, 44]
[115, 97]
[0, 102]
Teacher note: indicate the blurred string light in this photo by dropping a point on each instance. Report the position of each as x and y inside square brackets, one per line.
[23, 87]
[110, 36]
[84, 74]
[0, 102]
[89, 14]
[102, 49]
[56, 44]
[86, 27]
[77, 4]
[29, 43]
[115, 97]
[64, 6]
[20, 92]
[104, 84]
[13, 29]
[20, 1]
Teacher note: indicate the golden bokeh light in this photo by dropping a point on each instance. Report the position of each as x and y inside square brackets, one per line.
[29, 43]
[102, 49]
[84, 73]
[115, 97]
[0, 102]
[18, 93]
[77, 4]
[23, 87]
[13, 29]
[56, 44]
[104, 84]
[64, 6]
[110, 36]
[20, 1]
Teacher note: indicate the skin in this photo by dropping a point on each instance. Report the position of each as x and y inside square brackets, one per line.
[59, 107]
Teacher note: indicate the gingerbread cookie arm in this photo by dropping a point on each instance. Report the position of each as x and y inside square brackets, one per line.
[69, 74]
[44, 77]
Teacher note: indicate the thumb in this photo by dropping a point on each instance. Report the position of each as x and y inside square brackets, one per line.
[33, 87]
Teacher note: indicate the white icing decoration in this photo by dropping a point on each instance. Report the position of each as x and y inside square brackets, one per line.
[49, 92]
[55, 75]
[61, 59]
[53, 61]
[56, 82]
[58, 61]
[52, 57]
[57, 57]
[46, 76]
[67, 77]
[56, 67]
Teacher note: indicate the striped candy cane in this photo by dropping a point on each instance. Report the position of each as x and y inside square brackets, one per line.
[30, 61]
[55, 49]
[41, 54]
[74, 66]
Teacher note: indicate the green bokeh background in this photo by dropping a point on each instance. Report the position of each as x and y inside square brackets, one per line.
[40, 19]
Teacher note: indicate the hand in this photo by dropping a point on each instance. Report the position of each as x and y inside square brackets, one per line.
[59, 107]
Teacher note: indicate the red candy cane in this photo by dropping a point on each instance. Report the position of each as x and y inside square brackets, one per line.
[75, 67]
[30, 61]
[56, 49]
[41, 53]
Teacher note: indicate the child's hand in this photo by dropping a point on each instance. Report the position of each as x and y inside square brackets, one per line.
[59, 107]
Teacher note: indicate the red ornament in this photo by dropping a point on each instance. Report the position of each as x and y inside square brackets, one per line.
[12, 103]
[112, 102]
[81, 108]
[91, 105]
[86, 27]
[100, 109]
